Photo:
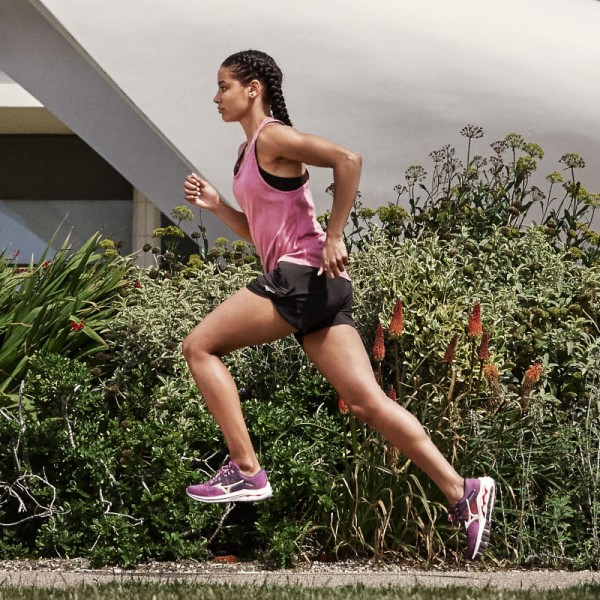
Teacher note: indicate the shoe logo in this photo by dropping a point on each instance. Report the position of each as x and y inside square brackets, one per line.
[268, 289]
[232, 487]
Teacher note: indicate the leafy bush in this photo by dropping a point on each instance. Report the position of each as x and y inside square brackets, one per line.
[103, 475]
[532, 423]
[170, 259]
[491, 337]
[90, 476]
[58, 305]
[141, 434]
[486, 193]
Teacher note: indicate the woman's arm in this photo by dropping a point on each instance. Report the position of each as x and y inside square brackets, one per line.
[287, 144]
[199, 192]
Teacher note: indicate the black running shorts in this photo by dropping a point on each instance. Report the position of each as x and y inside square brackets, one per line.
[307, 301]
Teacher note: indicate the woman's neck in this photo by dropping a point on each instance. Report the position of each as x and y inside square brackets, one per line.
[252, 121]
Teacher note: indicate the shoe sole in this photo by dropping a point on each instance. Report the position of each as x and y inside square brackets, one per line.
[241, 496]
[488, 486]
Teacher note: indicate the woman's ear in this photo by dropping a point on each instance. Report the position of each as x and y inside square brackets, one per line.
[254, 88]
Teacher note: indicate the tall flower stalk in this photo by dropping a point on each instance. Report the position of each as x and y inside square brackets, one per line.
[451, 349]
[483, 352]
[395, 331]
[448, 358]
[474, 332]
[490, 372]
[378, 351]
[532, 376]
[475, 329]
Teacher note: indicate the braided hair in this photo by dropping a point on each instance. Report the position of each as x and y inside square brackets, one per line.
[253, 64]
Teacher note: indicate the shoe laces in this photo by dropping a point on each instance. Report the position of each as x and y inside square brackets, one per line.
[221, 474]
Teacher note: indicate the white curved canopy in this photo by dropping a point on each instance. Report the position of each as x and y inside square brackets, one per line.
[392, 79]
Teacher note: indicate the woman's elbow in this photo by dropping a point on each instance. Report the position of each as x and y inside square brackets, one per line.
[353, 161]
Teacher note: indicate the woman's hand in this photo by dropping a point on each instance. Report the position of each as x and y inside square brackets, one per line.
[335, 256]
[199, 192]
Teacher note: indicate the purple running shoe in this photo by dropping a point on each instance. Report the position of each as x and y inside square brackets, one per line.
[230, 485]
[473, 513]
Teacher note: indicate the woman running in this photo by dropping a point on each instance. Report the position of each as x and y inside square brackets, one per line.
[304, 291]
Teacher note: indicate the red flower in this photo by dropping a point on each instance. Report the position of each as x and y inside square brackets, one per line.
[137, 284]
[45, 264]
[378, 345]
[490, 372]
[77, 326]
[343, 406]
[475, 329]
[397, 322]
[392, 394]
[451, 349]
[483, 352]
[532, 375]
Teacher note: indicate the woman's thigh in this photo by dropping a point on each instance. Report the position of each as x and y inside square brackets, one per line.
[339, 354]
[244, 319]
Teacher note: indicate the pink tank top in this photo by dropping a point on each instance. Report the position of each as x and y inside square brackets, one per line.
[283, 224]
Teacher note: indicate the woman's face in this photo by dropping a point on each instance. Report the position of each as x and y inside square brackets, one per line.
[232, 98]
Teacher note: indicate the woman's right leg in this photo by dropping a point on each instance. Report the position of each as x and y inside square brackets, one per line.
[339, 354]
[244, 319]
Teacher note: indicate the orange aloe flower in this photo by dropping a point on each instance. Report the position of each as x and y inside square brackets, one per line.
[451, 349]
[397, 322]
[532, 375]
[490, 372]
[378, 346]
[475, 330]
[483, 352]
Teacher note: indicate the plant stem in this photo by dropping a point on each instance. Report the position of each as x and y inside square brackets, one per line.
[397, 367]
[472, 366]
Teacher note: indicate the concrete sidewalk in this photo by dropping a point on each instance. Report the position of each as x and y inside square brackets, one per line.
[313, 578]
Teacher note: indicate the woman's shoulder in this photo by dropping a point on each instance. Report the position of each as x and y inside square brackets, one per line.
[276, 133]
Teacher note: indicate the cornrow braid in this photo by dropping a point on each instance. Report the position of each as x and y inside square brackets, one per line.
[253, 64]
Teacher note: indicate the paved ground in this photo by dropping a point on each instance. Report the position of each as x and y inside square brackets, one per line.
[61, 574]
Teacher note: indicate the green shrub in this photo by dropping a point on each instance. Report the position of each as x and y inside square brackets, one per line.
[160, 313]
[60, 305]
[103, 475]
[537, 439]
[141, 433]
[497, 356]
[89, 475]
[171, 260]
[485, 193]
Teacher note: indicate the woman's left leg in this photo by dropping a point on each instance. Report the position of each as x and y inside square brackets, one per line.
[339, 354]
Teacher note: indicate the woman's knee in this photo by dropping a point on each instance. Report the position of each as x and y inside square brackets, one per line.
[366, 406]
[195, 346]
[187, 347]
